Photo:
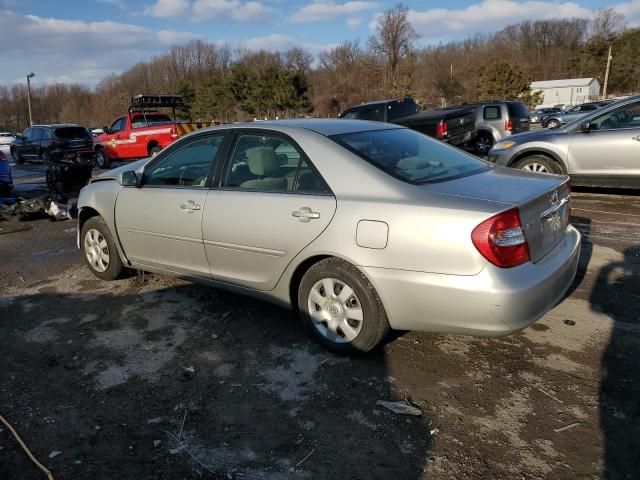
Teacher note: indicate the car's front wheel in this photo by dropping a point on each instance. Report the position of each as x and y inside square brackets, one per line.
[539, 164]
[17, 157]
[483, 143]
[340, 307]
[553, 124]
[99, 250]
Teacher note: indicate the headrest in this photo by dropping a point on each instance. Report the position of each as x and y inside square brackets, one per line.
[263, 162]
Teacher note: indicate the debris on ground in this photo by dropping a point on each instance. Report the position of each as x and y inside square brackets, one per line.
[156, 443]
[571, 323]
[566, 427]
[58, 211]
[54, 454]
[400, 408]
[187, 374]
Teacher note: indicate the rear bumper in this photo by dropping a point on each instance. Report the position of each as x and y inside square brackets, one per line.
[494, 302]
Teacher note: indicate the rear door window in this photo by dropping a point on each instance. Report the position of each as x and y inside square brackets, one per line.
[373, 113]
[491, 112]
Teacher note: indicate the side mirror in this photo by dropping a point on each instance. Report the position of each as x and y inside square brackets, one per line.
[585, 126]
[105, 129]
[129, 179]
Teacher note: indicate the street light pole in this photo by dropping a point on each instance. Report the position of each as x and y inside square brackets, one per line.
[606, 75]
[29, 77]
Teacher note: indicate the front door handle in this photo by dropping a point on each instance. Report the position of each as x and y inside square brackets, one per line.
[305, 214]
[190, 206]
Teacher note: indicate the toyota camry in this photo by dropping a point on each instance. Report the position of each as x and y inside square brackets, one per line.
[361, 227]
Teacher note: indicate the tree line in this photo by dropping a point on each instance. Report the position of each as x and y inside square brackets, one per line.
[226, 84]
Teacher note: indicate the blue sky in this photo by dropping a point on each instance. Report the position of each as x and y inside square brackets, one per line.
[85, 40]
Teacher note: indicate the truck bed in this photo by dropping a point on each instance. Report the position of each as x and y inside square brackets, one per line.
[460, 124]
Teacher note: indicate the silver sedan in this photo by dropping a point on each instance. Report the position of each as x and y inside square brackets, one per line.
[359, 226]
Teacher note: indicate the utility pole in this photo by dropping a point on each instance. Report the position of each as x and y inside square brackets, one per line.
[29, 77]
[606, 75]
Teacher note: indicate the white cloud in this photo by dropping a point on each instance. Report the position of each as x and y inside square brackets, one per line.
[168, 8]
[322, 11]
[276, 42]
[83, 52]
[492, 15]
[204, 10]
[631, 11]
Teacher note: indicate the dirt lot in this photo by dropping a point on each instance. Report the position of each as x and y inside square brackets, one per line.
[154, 378]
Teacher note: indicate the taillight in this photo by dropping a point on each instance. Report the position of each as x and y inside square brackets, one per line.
[442, 130]
[508, 125]
[500, 240]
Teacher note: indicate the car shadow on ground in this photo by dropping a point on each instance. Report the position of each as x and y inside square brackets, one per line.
[143, 380]
[618, 284]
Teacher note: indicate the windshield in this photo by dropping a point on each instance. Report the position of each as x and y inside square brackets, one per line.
[411, 156]
[72, 133]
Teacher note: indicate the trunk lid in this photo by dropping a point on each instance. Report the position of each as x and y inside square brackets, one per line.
[462, 123]
[543, 201]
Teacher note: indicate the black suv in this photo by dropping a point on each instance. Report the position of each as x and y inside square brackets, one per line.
[56, 143]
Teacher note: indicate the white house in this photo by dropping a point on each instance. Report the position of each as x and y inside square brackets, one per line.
[570, 91]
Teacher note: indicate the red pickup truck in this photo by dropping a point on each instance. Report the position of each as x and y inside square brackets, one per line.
[143, 131]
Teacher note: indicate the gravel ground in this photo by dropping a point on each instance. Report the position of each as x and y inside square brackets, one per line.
[154, 378]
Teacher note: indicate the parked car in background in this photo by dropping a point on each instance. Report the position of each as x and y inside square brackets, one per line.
[496, 120]
[6, 180]
[537, 114]
[554, 120]
[358, 226]
[599, 149]
[6, 138]
[455, 127]
[53, 142]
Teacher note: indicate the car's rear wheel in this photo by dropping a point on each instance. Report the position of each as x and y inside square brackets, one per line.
[340, 308]
[483, 143]
[99, 250]
[553, 124]
[102, 159]
[156, 149]
[539, 164]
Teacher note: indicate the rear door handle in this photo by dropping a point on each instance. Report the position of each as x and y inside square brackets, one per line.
[190, 206]
[305, 214]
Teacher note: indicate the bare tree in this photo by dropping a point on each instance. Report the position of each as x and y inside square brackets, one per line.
[606, 23]
[394, 40]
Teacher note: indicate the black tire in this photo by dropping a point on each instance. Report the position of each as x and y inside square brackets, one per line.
[374, 326]
[483, 143]
[115, 268]
[539, 163]
[553, 123]
[103, 161]
[17, 157]
[153, 151]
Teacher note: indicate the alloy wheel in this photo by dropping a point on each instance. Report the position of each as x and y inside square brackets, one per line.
[96, 250]
[535, 167]
[335, 310]
[483, 144]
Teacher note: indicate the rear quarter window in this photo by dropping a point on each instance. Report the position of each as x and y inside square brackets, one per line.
[517, 110]
[72, 133]
[491, 112]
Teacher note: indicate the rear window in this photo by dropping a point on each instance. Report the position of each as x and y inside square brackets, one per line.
[72, 133]
[518, 110]
[139, 121]
[402, 108]
[411, 156]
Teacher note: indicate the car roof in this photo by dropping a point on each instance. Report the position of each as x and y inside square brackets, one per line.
[379, 102]
[57, 125]
[323, 126]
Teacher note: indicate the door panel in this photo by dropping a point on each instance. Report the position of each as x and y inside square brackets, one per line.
[162, 227]
[612, 147]
[250, 237]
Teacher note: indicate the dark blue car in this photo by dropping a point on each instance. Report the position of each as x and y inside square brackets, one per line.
[6, 181]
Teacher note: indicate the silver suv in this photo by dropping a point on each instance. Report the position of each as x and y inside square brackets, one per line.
[496, 120]
[600, 149]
